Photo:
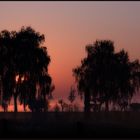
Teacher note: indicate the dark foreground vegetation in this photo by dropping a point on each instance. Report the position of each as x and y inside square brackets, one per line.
[70, 125]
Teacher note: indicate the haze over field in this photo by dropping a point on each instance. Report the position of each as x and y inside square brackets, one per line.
[70, 26]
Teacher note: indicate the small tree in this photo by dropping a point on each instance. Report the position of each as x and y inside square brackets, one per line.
[56, 108]
[5, 106]
[61, 102]
[71, 97]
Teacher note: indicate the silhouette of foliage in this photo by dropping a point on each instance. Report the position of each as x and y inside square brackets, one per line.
[72, 95]
[56, 108]
[65, 107]
[106, 75]
[61, 102]
[23, 56]
[71, 98]
[123, 105]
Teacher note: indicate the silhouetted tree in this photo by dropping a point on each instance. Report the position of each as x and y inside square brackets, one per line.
[26, 58]
[106, 75]
[64, 106]
[72, 95]
[32, 60]
[123, 105]
[5, 106]
[61, 102]
[56, 108]
[24, 92]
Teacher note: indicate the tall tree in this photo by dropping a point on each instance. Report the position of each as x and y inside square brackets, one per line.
[100, 72]
[29, 61]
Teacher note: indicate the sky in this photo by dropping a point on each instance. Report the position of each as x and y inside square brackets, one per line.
[69, 26]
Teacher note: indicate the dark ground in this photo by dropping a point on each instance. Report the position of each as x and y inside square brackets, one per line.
[70, 125]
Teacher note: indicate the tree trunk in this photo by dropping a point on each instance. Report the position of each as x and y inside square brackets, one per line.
[87, 103]
[24, 106]
[106, 106]
[15, 103]
[62, 108]
[46, 104]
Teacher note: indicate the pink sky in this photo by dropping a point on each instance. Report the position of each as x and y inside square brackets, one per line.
[70, 26]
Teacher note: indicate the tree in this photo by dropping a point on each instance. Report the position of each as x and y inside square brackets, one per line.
[56, 108]
[71, 97]
[5, 106]
[24, 92]
[31, 58]
[106, 75]
[29, 62]
[62, 104]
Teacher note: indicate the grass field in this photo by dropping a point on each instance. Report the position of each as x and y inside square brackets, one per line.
[70, 125]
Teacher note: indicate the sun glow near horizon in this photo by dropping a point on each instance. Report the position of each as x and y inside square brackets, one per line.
[69, 26]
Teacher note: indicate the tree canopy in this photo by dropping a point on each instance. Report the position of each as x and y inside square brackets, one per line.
[24, 66]
[106, 75]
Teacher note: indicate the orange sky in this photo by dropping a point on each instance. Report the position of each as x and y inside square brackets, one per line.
[69, 26]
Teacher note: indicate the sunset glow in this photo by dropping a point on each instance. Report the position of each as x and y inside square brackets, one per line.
[17, 78]
[69, 26]
[69, 69]
[22, 78]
